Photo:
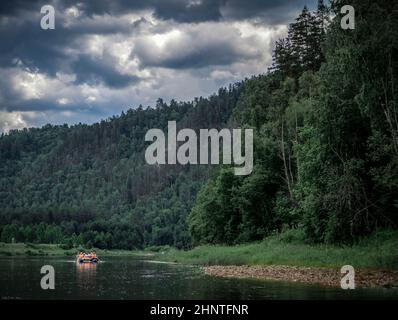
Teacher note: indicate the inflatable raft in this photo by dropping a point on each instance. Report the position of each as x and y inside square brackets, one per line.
[87, 258]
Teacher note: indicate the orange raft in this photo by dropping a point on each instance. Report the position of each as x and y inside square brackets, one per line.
[87, 258]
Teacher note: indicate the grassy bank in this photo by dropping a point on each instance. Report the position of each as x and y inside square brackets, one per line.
[377, 251]
[27, 249]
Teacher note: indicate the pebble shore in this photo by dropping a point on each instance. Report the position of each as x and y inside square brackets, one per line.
[309, 275]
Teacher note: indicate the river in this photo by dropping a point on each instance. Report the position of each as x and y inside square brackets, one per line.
[141, 278]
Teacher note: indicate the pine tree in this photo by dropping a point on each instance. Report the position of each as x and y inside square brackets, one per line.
[322, 20]
[283, 58]
[302, 49]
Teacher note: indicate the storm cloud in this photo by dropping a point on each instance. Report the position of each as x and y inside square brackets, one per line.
[105, 56]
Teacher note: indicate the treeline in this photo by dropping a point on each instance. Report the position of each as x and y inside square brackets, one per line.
[326, 136]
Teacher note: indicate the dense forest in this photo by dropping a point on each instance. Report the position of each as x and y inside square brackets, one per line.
[325, 120]
[90, 185]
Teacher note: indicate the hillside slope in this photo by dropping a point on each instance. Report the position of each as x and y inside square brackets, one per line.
[90, 184]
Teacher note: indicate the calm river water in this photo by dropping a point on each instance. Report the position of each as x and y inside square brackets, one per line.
[140, 278]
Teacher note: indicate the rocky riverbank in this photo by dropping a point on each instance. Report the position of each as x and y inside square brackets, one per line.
[323, 276]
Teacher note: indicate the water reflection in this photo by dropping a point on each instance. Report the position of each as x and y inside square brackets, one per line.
[86, 275]
[137, 278]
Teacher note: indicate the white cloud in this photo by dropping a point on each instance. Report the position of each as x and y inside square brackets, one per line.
[13, 120]
[63, 101]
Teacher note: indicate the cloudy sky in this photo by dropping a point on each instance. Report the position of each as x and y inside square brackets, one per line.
[107, 56]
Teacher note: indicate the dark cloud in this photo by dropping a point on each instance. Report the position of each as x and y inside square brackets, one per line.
[11, 7]
[30, 105]
[177, 10]
[95, 71]
[197, 59]
[192, 11]
[270, 11]
[47, 52]
[34, 48]
[84, 48]
[194, 49]
[189, 11]
[23, 39]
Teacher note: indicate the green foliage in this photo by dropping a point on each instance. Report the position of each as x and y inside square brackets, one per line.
[301, 50]
[90, 186]
[233, 209]
[378, 251]
[325, 120]
[347, 158]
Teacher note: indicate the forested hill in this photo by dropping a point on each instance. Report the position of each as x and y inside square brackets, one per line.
[325, 120]
[89, 184]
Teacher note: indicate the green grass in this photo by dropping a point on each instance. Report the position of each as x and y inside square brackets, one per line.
[28, 249]
[377, 251]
